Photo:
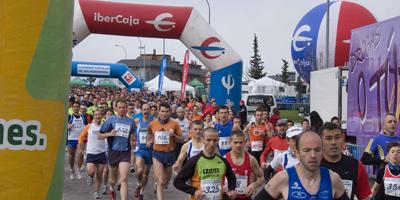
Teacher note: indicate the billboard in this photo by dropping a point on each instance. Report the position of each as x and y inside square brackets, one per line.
[373, 84]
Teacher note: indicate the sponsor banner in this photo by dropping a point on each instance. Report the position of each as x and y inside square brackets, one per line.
[128, 78]
[130, 19]
[185, 73]
[107, 70]
[208, 46]
[100, 70]
[163, 66]
[373, 84]
[226, 85]
[33, 103]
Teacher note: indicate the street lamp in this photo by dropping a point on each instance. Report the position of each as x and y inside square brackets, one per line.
[123, 48]
[209, 12]
[143, 47]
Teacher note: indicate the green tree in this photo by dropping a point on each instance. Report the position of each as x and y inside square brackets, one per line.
[285, 75]
[256, 64]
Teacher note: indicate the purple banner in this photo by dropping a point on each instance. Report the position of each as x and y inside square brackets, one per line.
[374, 72]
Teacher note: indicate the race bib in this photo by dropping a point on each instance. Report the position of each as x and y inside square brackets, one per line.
[241, 184]
[392, 187]
[224, 143]
[348, 186]
[211, 189]
[94, 132]
[122, 130]
[256, 146]
[161, 137]
[142, 137]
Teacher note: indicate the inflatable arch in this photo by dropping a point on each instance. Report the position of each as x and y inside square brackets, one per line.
[183, 23]
[107, 70]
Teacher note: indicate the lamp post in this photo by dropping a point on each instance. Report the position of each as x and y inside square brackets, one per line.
[123, 48]
[209, 12]
[143, 47]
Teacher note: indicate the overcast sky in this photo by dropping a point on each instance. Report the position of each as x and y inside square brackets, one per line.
[236, 21]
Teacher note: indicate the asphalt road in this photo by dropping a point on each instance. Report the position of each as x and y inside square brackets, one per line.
[79, 190]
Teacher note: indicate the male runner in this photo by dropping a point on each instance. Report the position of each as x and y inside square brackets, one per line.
[224, 128]
[244, 166]
[375, 152]
[76, 124]
[95, 151]
[143, 153]
[350, 170]
[257, 133]
[163, 134]
[206, 172]
[119, 131]
[307, 180]
[193, 146]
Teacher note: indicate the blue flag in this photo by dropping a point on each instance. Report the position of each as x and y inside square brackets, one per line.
[161, 76]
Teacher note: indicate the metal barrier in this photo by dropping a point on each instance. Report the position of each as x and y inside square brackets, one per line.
[356, 152]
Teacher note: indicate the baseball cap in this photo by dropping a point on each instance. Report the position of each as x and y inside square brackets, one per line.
[294, 131]
[281, 121]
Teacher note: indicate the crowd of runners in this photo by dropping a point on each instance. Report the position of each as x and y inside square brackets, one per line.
[218, 154]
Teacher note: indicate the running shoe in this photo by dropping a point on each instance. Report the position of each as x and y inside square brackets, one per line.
[104, 190]
[112, 195]
[79, 174]
[137, 191]
[72, 174]
[89, 181]
[132, 170]
[96, 195]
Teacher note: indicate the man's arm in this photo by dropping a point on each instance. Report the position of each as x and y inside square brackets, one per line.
[265, 153]
[178, 133]
[363, 189]
[252, 188]
[339, 192]
[368, 159]
[185, 174]
[106, 131]
[274, 188]
[182, 155]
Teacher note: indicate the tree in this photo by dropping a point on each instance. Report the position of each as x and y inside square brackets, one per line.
[285, 75]
[256, 64]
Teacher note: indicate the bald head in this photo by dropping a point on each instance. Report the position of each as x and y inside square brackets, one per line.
[306, 137]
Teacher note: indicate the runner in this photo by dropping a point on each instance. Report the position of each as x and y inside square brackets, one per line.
[307, 180]
[119, 131]
[257, 133]
[184, 124]
[224, 128]
[95, 152]
[245, 166]
[288, 158]
[375, 152]
[276, 144]
[143, 153]
[163, 133]
[76, 124]
[352, 171]
[389, 175]
[203, 174]
[193, 146]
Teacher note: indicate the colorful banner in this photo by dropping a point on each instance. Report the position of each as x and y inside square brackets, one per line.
[183, 23]
[185, 73]
[35, 65]
[163, 66]
[373, 84]
[107, 70]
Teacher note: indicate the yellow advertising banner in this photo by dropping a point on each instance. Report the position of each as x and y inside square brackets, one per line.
[35, 56]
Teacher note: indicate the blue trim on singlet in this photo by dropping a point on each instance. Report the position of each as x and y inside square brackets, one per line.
[298, 192]
[285, 160]
[189, 149]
